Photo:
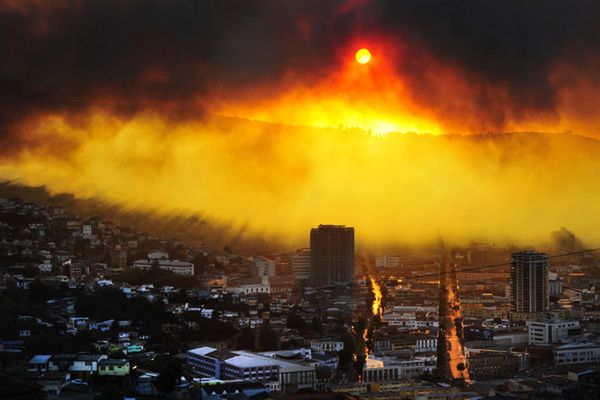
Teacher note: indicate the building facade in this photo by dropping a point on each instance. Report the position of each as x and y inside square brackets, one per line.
[577, 353]
[553, 331]
[300, 261]
[331, 255]
[209, 362]
[529, 297]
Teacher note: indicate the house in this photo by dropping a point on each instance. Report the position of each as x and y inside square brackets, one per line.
[39, 363]
[113, 367]
[81, 366]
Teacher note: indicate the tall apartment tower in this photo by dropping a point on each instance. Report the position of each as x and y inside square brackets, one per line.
[331, 255]
[529, 296]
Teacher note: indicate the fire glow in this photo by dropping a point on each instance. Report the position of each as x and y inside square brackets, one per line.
[376, 288]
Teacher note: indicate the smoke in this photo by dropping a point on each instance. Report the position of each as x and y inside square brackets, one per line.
[278, 181]
[472, 65]
[566, 240]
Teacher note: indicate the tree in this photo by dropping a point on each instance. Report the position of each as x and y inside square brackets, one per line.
[246, 340]
[294, 321]
[317, 324]
[111, 392]
[268, 338]
[168, 378]
[30, 271]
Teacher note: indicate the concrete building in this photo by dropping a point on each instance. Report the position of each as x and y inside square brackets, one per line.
[555, 285]
[387, 262]
[323, 346]
[553, 331]
[331, 255]
[300, 261]
[426, 344]
[529, 297]
[385, 369]
[577, 353]
[486, 364]
[250, 286]
[176, 267]
[263, 266]
[245, 365]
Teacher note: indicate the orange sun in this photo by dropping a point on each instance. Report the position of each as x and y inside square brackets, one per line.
[363, 56]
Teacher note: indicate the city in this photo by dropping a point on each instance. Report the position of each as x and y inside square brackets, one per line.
[89, 307]
[299, 200]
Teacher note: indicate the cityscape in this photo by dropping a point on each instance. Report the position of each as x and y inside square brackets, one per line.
[299, 200]
[89, 305]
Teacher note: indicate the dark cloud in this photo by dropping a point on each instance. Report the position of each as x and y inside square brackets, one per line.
[136, 54]
[511, 44]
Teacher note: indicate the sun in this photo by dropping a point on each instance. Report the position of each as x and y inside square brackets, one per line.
[363, 56]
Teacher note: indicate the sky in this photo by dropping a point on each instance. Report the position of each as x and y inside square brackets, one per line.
[474, 120]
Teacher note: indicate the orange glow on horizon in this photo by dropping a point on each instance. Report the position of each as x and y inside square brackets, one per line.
[374, 99]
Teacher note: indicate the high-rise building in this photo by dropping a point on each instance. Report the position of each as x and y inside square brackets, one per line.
[529, 285]
[331, 255]
[300, 261]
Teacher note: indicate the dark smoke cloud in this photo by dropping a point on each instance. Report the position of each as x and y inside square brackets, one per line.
[566, 240]
[173, 55]
[511, 44]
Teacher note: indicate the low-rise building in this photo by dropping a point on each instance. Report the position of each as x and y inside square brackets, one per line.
[235, 365]
[382, 369]
[322, 346]
[577, 353]
[113, 367]
[177, 267]
[486, 364]
[553, 331]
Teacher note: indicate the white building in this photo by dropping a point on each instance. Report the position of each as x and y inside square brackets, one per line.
[426, 344]
[553, 331]
[390, 369]
[577, 353]
[78, 365]
[408, 320]
[176, 267]
[555, 286]
[300, 261]
[323, 346]
[86, 231]
[264, 266]
[387, 262]
[158, 255]
[250, 286]
[234, 365]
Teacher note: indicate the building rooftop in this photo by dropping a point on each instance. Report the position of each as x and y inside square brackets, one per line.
[250, 361]
[40, 359]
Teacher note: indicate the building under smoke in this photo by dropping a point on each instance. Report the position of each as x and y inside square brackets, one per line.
[529, 297]
[331, 255]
